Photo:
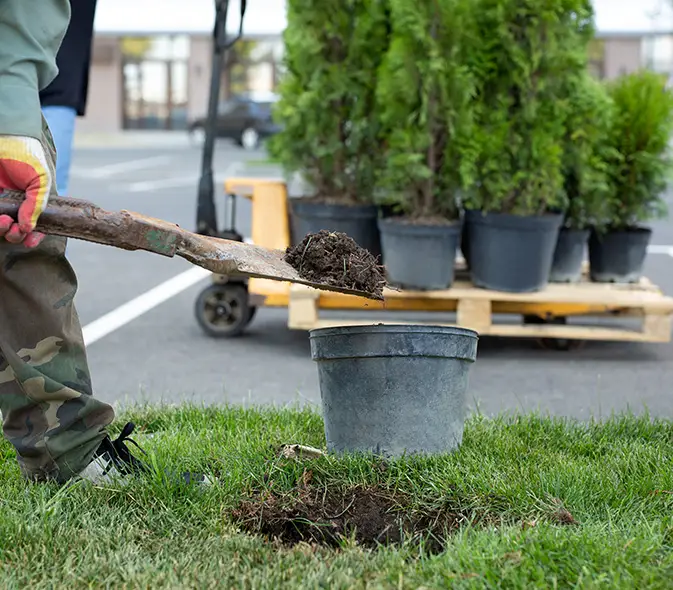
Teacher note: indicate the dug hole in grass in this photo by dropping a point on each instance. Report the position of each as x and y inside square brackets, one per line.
[525, 501]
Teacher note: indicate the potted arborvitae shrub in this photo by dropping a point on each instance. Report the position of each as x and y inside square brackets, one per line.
[326, 111]
[638, 175]
[585, 168]
[424, 109]
[525, 52]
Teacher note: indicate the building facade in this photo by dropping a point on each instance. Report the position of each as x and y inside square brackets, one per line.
[163, 81]
[154, 73]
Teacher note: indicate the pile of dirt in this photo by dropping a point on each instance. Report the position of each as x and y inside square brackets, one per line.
[372, 515]
[324, 516]
[335, 259]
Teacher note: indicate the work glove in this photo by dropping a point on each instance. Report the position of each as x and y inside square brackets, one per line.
[23, 168]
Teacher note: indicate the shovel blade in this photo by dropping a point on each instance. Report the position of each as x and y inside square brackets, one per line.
[233, 258]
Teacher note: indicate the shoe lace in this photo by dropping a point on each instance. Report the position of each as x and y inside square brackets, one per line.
[118, 453]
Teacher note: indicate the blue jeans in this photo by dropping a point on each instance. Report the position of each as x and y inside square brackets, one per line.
[61, 121]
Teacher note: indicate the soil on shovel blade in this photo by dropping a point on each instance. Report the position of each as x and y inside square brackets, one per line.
[333, 258]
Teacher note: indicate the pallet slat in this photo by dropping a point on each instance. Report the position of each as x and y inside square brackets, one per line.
[588, 293]
[528, 331]
[474, 309]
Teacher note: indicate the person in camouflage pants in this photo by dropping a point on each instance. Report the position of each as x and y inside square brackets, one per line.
[50, 416]
[49, 413]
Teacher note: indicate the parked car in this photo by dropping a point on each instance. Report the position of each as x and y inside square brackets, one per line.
[244, 119]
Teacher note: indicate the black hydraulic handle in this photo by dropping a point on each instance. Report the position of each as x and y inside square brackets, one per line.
[206, 220]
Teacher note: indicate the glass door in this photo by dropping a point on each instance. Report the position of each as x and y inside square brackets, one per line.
[155, 82]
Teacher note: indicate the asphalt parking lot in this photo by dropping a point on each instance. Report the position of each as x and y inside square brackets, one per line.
[145, 344]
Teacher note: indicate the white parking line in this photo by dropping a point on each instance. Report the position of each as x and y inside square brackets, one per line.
[661, 250]
[142, 304]
[133, 309]
[121, 167]
[152, 185]
[177, 181]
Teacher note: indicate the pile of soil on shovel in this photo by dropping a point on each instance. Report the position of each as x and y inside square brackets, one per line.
[323, 516]
[335, 259]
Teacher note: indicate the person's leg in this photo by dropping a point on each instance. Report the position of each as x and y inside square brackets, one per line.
[61, 121]
[49, 413]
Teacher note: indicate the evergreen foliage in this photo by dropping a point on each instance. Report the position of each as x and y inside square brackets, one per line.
[483, 104]
[641, 164]
[587, 151]
[333, 49]
[424, 94]
[527, 51]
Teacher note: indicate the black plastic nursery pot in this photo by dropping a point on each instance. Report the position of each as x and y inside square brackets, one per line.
[357, 221]
[511, 253]
[618, 256]
[419, 256]
[393, 390]
[568, 256]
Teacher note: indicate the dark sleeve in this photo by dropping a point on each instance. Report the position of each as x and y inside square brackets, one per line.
[70, 88]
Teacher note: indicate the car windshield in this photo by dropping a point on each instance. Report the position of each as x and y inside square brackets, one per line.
[228, 106]
[263, 109]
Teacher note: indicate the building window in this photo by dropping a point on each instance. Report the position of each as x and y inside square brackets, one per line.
[252, 67]
[597, 58]
[155, 81]
[658, 53]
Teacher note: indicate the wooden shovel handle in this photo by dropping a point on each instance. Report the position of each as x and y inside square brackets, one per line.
[79, 219]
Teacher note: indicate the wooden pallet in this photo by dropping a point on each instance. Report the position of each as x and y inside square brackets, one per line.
[476, 308]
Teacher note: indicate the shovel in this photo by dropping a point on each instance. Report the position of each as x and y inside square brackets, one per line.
[79, 219]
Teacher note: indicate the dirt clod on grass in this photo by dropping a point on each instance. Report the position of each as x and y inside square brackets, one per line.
[335, 259]
[561, 515]
[325, 516]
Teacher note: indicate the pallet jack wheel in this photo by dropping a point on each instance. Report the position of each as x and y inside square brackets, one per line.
[560, 344]
[223, 310]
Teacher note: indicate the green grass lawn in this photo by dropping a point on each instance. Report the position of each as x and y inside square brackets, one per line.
[526, 503]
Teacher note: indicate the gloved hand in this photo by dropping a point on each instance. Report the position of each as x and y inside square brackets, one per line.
[23, 168]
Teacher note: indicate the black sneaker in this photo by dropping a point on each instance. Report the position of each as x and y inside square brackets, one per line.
[113, 461]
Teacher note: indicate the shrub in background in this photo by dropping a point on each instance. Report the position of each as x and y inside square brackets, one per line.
[586, 152]
[424, 98]
[639, 169]
[641, 164]
[525, 53]
[326, 107]
[326, 111]
[527, 50]
[590, 113]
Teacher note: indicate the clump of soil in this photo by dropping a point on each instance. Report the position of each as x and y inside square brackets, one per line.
[319, 515]
[561, 515]
[324, 516]
[335, 259]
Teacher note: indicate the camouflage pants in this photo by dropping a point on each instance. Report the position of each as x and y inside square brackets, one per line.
[49, 413]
